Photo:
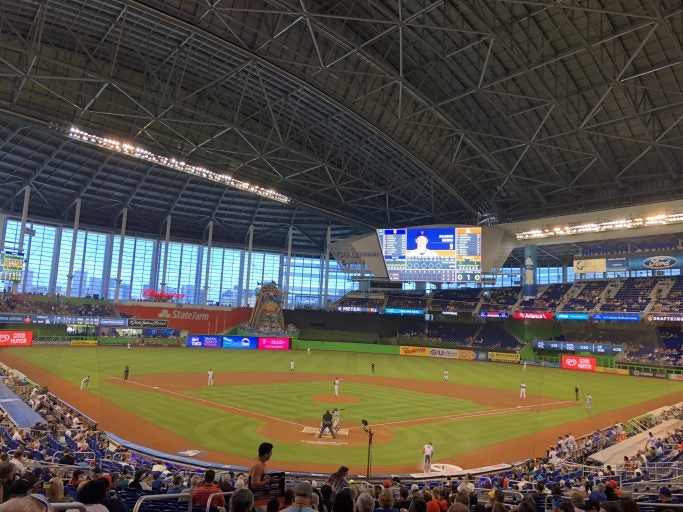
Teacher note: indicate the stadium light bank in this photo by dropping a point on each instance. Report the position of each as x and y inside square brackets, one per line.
[131, 150]
[599, 227]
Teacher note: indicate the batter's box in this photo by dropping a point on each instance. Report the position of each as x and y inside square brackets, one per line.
[313, 430]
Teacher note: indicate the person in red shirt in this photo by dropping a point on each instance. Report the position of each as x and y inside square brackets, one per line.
[201, 494]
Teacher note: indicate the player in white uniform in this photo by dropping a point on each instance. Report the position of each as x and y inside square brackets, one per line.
[337, 380]
[445, 375]
[522, 390]
[524, 366]
[209, 376]
[427, 452]
[589, 402]
[85, 383]
[308, 351]
[291, 365]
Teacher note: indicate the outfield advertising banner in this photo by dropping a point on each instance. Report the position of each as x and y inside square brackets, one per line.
[664, 317]
[503, 357]
[52, 343]
[544, 364]
[240, 342]
[414, 351]
[274, 343]
[447, 353]
[580, 363]
[141, 323]
[532, 315]
[113, 322]
[617, 317]
[571, 316]
[481, 356]
[676, 376]
[494, 314]
[200, 341]
[661, 374]
[16, 338]
[615, 371]
[83, 343]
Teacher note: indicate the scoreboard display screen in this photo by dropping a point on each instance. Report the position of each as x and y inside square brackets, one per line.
[11, 266]
[433, 254]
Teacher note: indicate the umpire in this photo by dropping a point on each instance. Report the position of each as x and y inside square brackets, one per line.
[327, 425]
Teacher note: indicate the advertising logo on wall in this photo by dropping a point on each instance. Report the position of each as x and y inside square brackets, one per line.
[585, 364]
[16, 338]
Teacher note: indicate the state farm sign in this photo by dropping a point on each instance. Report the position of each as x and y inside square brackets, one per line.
[16, 338]
[585, 364]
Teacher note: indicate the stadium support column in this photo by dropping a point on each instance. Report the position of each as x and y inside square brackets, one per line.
[530, 261]
[328, 242]
[72, 258]
[209, 242]
[288, 268]
[22, 233]
[250, 246]
[122, 236]
[168, 240]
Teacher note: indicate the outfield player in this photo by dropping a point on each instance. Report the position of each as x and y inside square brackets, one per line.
[445, 375]
[209, 376]
[308, 351]
[85, 383]
[372, 367]
[522, 390]
[589, 402]
[126, 372]
[524, 366]
[291, 365]
[576, 392]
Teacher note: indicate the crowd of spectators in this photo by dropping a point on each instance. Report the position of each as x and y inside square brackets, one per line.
[37, 304]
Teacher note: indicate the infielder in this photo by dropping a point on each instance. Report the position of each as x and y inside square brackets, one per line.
[209, 376]
[589, 402]
[522, 390]
[337, 380]
[445, 375]
[85, 383]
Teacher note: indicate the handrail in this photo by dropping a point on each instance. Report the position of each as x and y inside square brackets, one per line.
[211, 497]
[162, 497]
[68, 505]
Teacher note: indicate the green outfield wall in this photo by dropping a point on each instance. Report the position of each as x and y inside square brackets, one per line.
[341, 346]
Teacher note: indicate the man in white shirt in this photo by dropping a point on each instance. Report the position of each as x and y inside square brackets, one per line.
[522, 390]
[209, 376]
[445, 375]
[427, 452]
[336, 386]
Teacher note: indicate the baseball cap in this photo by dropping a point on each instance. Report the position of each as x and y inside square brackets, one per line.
[303, 489]
[414, 487]
[665, 491]
[386, 483]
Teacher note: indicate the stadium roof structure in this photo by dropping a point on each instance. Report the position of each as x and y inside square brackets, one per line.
[366, 114]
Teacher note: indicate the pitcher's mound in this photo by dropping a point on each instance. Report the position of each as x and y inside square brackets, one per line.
[331, 399]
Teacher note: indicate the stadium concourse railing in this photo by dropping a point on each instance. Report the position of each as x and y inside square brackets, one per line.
[179, 499]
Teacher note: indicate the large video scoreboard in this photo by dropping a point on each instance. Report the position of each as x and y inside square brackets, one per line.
[11, 266]
[434, 254]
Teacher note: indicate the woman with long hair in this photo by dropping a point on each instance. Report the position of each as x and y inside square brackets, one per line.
[338, 481]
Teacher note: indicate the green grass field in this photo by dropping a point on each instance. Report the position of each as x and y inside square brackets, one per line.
[225, 431]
